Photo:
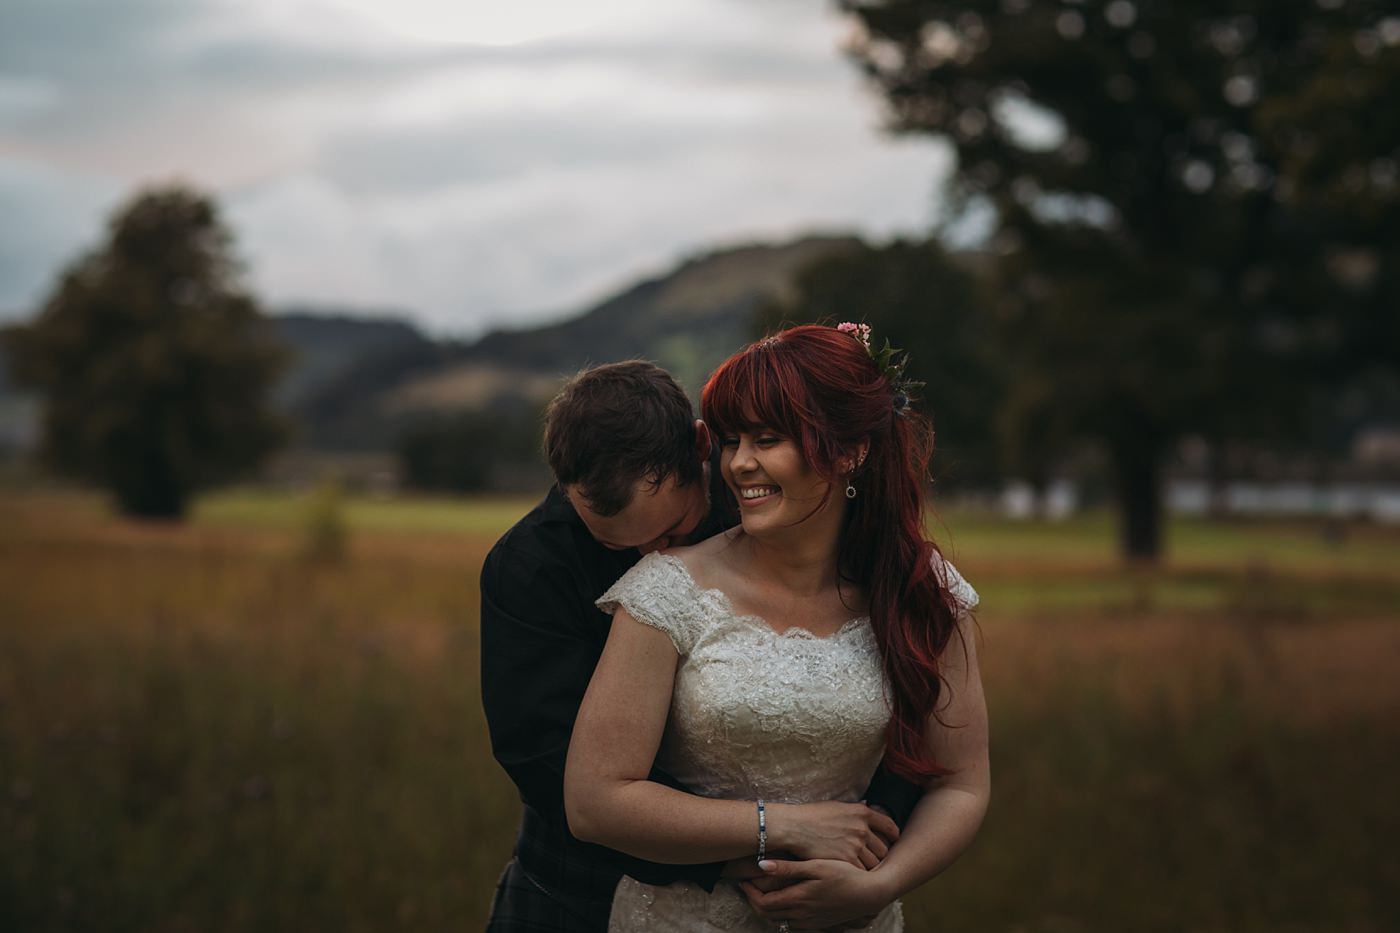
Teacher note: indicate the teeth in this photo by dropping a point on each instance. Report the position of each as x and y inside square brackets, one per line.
[758, 491]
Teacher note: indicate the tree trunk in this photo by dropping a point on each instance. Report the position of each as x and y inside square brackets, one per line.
[1218, 480]
[1139, 476]
[147, 488]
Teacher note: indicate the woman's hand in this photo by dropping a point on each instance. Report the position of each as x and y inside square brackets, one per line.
[819, 895]
[849, 832]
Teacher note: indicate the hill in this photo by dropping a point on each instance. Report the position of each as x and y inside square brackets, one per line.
[359, 383]
[327, 345]
[374, 382]
[688, 320]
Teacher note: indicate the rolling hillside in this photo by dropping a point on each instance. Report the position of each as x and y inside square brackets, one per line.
[358, 383]
[688, 321]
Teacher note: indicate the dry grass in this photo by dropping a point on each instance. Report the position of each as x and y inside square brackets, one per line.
[200, 731]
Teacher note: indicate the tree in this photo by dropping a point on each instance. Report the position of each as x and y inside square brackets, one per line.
[474, 451]
[1195, 202]
[154, 364]
[924, 301]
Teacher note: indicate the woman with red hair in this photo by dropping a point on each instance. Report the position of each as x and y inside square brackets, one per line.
[778, 663]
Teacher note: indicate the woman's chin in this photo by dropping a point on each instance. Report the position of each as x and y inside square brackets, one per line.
[756, 526]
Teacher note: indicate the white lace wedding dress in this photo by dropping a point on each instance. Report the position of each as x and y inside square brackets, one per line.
[790, 718]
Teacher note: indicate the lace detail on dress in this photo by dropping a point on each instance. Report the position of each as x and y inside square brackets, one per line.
[689, 908]
[963, 593]
[789, 717]
[659, 592]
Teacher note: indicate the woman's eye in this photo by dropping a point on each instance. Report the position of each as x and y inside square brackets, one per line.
[729, 442]
[768, 440]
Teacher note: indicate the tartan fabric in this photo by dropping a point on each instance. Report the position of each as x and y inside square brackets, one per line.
[541, 636]
[554, 883]
[522, 906]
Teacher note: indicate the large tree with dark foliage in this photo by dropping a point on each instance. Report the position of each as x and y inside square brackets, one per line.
[155, 366]
[1196, 203]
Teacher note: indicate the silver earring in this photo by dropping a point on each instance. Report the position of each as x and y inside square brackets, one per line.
[850, 490]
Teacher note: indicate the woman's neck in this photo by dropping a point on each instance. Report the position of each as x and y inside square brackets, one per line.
[801, 563]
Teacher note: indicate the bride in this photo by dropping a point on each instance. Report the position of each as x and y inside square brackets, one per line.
[779, 662]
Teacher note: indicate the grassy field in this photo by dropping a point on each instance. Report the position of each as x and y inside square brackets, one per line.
[203, 730]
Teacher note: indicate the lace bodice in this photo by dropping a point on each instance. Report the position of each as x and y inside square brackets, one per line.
[788, 717]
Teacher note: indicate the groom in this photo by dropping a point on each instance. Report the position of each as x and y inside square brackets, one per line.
[634, 473]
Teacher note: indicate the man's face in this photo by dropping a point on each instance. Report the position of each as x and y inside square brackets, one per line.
[658, 516]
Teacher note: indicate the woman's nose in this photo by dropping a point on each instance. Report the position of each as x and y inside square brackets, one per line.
[743, 458]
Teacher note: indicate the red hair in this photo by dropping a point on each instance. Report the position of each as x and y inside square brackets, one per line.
[821, 388]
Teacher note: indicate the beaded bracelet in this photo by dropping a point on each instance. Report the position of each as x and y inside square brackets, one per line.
[762, 831]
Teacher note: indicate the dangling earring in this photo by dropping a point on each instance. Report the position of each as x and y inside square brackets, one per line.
[850, 486]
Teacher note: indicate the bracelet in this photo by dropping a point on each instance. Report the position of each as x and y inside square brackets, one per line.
[762, 831]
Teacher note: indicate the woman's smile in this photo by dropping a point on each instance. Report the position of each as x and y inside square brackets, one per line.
[776, 488]
[757, 495]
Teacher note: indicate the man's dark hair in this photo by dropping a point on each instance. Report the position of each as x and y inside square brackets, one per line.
[613, 425]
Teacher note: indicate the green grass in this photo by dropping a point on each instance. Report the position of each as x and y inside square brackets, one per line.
[200, 730]
[197, 740]
[1084, 540]
[407, 514]
[1069, 566]
[1259, 543]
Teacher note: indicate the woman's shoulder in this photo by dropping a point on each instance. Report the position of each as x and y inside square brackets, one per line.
[659, 591]
[703, 561]
[948, 576]
[665, 569]
[674, 577]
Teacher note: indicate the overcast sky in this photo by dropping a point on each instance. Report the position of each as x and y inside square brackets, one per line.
[463, 162]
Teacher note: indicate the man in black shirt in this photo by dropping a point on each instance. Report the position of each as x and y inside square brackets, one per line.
[635, 473]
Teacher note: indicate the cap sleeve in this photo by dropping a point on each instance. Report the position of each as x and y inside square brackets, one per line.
[963, 593]
[659, 592]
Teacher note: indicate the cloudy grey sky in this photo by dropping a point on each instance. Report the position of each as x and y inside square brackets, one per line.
[469, 163]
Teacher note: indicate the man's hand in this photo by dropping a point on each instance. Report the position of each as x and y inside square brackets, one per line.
[819, 894]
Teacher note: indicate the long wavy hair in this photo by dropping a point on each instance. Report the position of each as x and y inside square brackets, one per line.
[821, 388]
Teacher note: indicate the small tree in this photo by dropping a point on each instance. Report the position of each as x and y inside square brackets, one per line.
[155, 366]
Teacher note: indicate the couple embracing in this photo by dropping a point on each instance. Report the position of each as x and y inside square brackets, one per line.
[717, 721]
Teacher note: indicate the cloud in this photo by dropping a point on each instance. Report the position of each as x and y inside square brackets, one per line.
[88, 41]
[529, 247]
[497, 147]
[50, 219]
[22, 98]
[468, 183]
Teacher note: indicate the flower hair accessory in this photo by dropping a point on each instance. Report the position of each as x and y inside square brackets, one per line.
[859, 331]
[889, 360]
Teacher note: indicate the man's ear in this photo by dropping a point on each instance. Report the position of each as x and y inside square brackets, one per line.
[702, 441]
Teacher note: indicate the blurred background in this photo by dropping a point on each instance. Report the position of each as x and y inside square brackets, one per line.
[284, 286]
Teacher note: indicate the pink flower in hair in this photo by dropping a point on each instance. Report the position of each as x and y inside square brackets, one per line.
[859, 331]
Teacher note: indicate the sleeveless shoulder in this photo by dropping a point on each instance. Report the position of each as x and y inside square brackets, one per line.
[659, 591]
[963, 593]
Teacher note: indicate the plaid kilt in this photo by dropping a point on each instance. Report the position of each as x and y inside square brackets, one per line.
[554, 884]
